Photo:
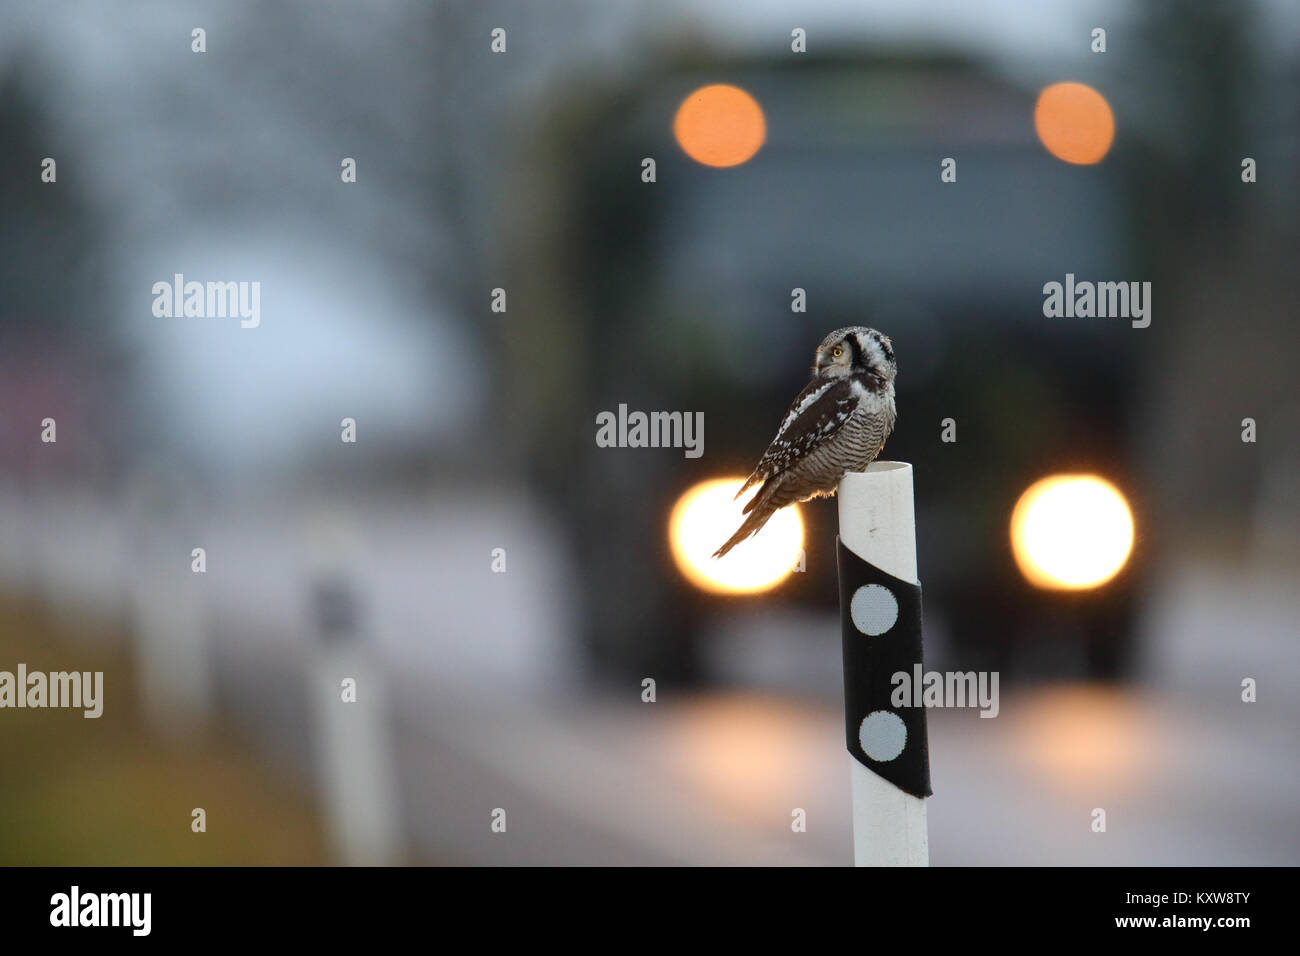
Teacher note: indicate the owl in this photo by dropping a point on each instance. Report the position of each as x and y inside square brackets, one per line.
[837, 424]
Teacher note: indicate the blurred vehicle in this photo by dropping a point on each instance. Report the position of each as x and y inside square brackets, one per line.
[681, 291]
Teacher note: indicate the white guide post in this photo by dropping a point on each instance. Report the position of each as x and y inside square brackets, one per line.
[358, 778]
[878, 523]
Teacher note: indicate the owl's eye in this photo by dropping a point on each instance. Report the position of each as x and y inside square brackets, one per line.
[837, 351]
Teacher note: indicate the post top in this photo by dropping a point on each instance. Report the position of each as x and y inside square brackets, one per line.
[877, 522]
[877, 472]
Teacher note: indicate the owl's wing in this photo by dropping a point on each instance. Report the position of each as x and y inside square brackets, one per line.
[814, 417]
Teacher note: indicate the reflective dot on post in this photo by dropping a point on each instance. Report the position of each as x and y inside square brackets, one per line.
[874, 609]
[883, 735]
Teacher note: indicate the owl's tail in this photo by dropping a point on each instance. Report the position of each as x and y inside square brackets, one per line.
[751, 526]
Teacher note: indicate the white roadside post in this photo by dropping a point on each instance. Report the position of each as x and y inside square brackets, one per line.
[351, 710]
[878, 524]
[166, 599]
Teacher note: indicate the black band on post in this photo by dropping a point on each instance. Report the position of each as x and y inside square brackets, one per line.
[880, 622]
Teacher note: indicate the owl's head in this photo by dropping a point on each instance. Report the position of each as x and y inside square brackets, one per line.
[856, 350]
